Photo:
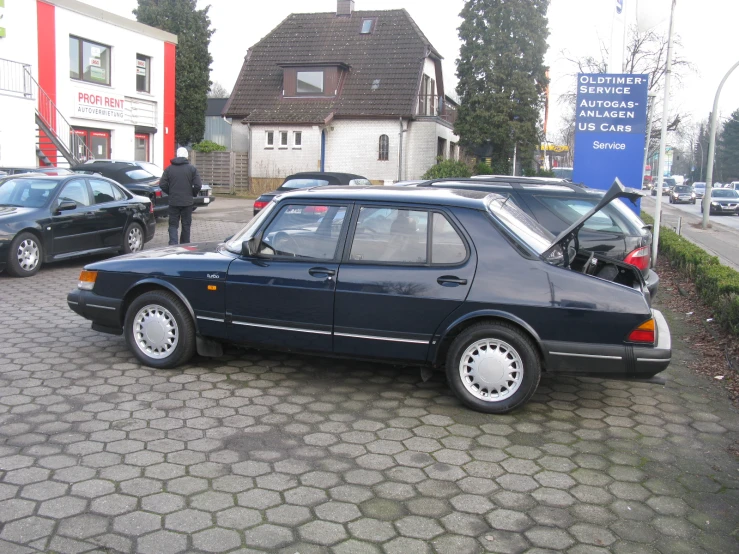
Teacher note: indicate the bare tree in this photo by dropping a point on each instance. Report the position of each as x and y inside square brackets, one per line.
[217, 90]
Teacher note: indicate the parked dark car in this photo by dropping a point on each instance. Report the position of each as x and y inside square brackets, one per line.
[45, 219]
[682, 194]
[668, 183]
[308, 180]
[724, 201]
[45, 170]
[415, 275]
[616, 232]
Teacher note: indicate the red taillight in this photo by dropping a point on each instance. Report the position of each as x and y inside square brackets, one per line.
[643, 334]
[315, 209]
[158, 194]
[259, 204]
[639, 257]
[151, 207]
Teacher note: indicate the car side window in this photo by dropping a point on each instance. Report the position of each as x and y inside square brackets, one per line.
[447, 247]
[304, 231]
[76, 191]
[390, 235]
[102, 191]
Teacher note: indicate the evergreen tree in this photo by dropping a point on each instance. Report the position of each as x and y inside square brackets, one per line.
[192, 27]
[727, 151]
[502, 77]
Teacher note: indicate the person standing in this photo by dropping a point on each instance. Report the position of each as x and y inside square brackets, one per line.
[182, 183]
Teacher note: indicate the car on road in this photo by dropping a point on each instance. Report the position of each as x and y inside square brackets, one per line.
[616, 231]
[724, 201]
[416, 275]
[733, 185]
[50, 218]
[682, 194]
[563, 172]
[699, 188]
[667, 185]
[308, 180]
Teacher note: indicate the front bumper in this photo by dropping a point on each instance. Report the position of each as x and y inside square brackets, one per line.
[612, 361]
[105, 313]
[719, 209]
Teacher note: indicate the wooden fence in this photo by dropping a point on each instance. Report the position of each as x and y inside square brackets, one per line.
[226, 172]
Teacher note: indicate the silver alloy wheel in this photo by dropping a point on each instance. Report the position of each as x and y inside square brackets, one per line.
[28, 255]
[491, 370]
[155, 331]
[135, 239]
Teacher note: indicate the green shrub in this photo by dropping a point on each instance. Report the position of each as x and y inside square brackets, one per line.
[482, 168]
[208, 146]
[717, 285]
[448, 169]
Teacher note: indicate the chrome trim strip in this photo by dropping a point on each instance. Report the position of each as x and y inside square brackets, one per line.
[72, 302]
[596, 356]
[211, 319]
[653, 360]
[101, 307]
[370, 337]
[312, 331]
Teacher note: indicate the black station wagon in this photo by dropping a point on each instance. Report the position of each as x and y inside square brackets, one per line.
[426, 276]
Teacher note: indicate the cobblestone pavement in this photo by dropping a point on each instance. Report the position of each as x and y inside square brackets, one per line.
[267, 452]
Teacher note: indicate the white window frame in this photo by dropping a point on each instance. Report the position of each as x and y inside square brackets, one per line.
[267, 135]
[284, 144]
[297, 134]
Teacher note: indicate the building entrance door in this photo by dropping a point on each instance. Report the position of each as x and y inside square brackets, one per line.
[97, 141]
[141, 150]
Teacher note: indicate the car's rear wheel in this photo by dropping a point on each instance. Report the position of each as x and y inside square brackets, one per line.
[493, 367]
[133, 239]
[159, 330]
[25, 255]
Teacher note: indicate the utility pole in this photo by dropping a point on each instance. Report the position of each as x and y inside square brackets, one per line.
[652, 96]
[712, 149]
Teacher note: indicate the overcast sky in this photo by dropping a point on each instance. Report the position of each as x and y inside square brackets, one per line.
[708, 29]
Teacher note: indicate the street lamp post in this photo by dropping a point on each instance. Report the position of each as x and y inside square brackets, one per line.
[712, 148]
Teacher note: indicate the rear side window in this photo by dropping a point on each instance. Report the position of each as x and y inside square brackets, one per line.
[569, 210]
[139, 175]
[447, 247]
[103, 191]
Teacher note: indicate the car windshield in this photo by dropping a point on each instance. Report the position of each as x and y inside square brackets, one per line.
[139, 175]
[699, 185]
[303, 184]
[234, 243]
[26, 193]
[670, 182]
[520, 224]
[683, 188]
[724, 193]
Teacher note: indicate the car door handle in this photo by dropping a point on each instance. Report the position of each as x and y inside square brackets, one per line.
[319, 271]
[90, 214]
[447, 280]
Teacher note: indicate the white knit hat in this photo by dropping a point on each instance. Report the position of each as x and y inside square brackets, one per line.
[182, 152]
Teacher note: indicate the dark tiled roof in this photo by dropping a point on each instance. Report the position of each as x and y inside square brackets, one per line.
[391, 56]
[215, 107]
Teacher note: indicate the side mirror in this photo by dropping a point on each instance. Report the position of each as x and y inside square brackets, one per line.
[66, 205]
[249, 247]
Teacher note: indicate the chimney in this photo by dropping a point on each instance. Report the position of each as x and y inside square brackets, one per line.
[344, 8]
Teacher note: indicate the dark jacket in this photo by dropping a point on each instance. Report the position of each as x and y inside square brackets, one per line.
[181, 182]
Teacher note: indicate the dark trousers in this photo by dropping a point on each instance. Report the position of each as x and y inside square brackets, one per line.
[175, 214]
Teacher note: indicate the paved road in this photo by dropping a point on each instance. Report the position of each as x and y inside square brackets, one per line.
[264, 452]
[721, 240]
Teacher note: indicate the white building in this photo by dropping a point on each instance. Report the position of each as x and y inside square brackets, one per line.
[352, 91]
[78, 83]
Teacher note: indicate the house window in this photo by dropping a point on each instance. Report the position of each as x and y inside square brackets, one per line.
[368, 25]
[298, 139]
[89, 61]
[269, 139]
[441, 148]
[143, 64]
[384, 148]
[283, 139]
[310, 82]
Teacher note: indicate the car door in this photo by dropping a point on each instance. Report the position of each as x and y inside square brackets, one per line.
[74, 230]
[405, 270]
[283, 296]
[111, 211]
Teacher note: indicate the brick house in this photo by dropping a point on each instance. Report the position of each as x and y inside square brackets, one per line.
[351, 91]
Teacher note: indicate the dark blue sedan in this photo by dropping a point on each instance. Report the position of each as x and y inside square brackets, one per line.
[439, 278]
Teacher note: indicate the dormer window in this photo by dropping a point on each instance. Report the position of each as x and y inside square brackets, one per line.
[368, 25]
[310, 82]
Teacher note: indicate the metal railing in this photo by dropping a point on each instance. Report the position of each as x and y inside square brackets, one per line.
[59, 131]
[15, 78]
[430, 105]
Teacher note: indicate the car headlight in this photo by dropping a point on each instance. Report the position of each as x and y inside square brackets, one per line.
[675, 194]
[692, 195]
[714, 204]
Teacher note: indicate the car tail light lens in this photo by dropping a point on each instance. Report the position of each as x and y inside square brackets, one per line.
[158, 194]
[151, 207]
[639, 258]
[259, 204]
[644, 334]
[87, 279]
[315, 209]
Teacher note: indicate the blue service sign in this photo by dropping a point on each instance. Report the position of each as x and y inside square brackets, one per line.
[610, 129]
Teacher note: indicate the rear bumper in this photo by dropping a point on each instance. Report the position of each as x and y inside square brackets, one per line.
[652, 281]
[104, 312]
[203, 200]
[612, 361]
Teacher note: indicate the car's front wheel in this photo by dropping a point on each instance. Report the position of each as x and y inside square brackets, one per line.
[133, 239]
[25, 255]
[493, 367]
[159, 330]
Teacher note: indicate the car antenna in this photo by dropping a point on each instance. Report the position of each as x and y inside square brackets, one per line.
[506, 200]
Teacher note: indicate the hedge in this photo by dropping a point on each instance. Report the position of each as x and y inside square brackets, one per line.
[717, 285]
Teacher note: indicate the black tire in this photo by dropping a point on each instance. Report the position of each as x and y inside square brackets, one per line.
[519, 342]
[133, 239]
[25, 256]
[168, 305]
[692, 202]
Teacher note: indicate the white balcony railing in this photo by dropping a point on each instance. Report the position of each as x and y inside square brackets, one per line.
[15, 79]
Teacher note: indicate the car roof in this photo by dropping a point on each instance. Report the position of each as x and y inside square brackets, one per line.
[404, 195]
[324, 175]
[518, 183]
